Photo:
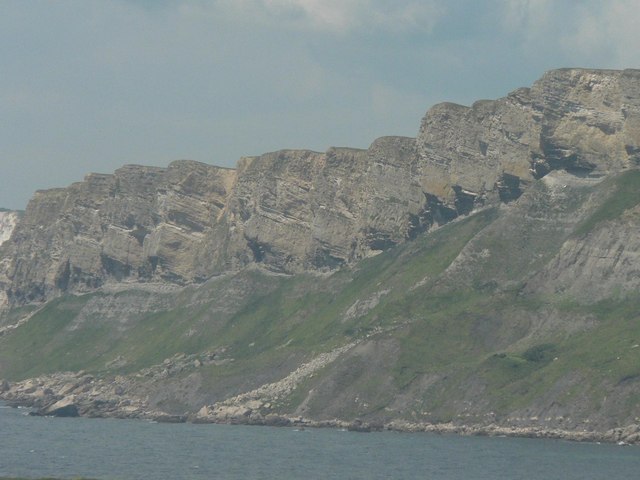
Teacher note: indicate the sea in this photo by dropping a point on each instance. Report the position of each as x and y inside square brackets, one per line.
[35, 447]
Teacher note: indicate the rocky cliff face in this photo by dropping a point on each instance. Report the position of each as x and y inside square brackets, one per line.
[582, 121]
[295, 211]
[300, 210]
[141, 223]
[8, 221]
[519, 317]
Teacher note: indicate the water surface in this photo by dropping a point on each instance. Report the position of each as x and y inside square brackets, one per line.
[132, 449]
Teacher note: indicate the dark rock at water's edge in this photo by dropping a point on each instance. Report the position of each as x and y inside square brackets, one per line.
[66, 411]
[23, 394]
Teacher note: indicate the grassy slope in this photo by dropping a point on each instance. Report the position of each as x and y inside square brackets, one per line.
[475, 341]
[480, 342]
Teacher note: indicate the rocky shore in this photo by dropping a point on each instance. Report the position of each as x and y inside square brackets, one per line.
[83, 395]
[483, 273]
[76, 394]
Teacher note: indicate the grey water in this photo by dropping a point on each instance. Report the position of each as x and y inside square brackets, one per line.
[132, 449]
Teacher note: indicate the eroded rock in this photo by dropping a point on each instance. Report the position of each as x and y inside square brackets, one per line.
[297, 210]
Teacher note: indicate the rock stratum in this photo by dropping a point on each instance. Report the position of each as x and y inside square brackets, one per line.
[8, 222]
[483, 275]
[294, 210]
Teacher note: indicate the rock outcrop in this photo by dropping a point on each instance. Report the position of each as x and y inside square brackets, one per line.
[582, 121]
[601, 265]
[8, 221]
[296, 210]
[140, 223]
[72, 395]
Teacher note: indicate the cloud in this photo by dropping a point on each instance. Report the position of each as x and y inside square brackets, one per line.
[526, 14]
[409, 17]
[532, 23]
[393, 106]
[607, 31]
[587, 33]
[337, 16]
[94, 84]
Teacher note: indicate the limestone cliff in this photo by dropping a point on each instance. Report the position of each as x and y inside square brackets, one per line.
[518, 314]
[297, 210]
[8, 221]
[582, 121]
[141, 223]
[300, 210]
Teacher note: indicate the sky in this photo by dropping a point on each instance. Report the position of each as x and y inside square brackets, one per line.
[91, 85]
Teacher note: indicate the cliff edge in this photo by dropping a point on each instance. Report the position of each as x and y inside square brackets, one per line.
[296, 211]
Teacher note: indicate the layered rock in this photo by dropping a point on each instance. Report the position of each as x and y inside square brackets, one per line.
[290, 210]
[301, 210]
[141, 223]
[603, 264]
[297, 210]
[582, 121]
[8, 222]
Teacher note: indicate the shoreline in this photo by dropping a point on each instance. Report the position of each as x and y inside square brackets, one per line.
[82, 395]
[618, 436]
[624, 436]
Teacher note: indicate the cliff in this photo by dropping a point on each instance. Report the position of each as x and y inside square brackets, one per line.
[296, 211]
[581, 121]
[8, 221]
[141, 223]
[483, 274]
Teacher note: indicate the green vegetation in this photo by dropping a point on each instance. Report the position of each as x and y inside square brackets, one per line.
[625, 195]
[445, 316]
[46, 344]
[539, 354]
[602, 356]
[275, 323]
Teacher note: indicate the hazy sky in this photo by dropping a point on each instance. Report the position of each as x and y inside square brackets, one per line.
[87, 86]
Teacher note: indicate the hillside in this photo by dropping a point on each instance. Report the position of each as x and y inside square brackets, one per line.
[482, 276]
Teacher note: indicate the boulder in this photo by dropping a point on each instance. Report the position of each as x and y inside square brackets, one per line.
[62, 408]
